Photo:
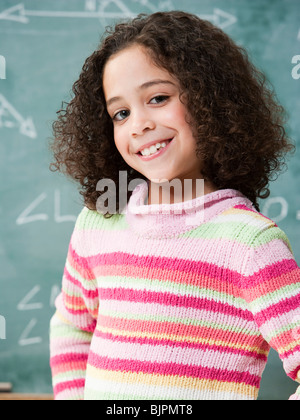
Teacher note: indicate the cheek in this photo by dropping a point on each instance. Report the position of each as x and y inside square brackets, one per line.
[119, 141]
[122, 144]
[177, 114]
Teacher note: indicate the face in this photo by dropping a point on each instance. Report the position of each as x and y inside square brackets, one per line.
[150, 121]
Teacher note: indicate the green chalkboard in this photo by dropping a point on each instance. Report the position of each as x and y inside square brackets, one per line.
[43, 45]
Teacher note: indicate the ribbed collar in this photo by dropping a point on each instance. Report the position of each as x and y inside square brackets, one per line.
[170, 220]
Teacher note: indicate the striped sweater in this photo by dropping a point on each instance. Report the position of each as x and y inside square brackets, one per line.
[178, 301]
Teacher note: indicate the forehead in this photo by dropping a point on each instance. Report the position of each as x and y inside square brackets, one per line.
[131, 66]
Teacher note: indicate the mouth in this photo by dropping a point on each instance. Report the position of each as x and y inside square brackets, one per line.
[154, 150]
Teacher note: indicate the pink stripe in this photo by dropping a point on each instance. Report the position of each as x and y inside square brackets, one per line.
[290, 353]
[278, 309]
[72, 366]
[172, 264]
[80, 264]
[170, 328]
[269, 272]
[272, 285]
[67, 357]
[189, 267]
[200, 372]
[243, 207]
[169, 299]
[63, 386]
[185, 344]
[117, 241]
[90, 294]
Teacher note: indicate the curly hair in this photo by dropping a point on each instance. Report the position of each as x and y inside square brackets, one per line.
[237, 122]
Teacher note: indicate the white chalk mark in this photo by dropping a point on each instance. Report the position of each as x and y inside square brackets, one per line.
[19, 14]
[2, 328]
[91, 5]
[220, 18]
[57, 206]
[24, 216]
[25, 304]
[26, 126]
[55, 292]
[15, 13]
[2, 67]
[296, 69]
[25, 340]
[283, 205]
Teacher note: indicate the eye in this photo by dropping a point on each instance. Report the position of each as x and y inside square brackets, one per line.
[121, 115]
[159, 99]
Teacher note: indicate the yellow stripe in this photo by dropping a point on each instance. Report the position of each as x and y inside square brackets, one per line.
[181, 339]
[257, 216]
[172, 381]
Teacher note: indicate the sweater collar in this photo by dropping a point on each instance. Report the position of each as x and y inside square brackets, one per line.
[170, 220]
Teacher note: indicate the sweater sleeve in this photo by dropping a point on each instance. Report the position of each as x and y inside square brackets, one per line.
[73, 324]
[272, 290]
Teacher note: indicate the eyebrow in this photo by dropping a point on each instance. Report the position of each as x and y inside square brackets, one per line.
[145, 85]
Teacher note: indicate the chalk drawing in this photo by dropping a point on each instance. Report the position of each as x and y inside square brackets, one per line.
[121, 9]
[57, 210]
[25, 304]
[2, 67]
[2, 328]
[11, 118]
[25, 340]
[283, 207]
[25, 216]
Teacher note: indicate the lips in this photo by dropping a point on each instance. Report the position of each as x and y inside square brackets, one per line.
[155, 152]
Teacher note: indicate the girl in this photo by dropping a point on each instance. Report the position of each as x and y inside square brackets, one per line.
[156, 303]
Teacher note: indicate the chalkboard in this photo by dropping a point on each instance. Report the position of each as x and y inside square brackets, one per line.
[43, 45]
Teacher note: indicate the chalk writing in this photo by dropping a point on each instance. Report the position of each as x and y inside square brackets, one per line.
[27, 217]
[28, 338]
[108, 9]
[279, 202]
[2, 67]
[11, 118]
[2, 328]
[24, 304]
[25, 340]
[55, 291]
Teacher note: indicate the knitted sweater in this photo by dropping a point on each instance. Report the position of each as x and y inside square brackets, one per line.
[178, 301]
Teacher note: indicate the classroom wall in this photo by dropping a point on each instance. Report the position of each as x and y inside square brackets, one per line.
[43, 45]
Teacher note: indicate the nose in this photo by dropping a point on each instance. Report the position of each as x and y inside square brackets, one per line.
[141, 122]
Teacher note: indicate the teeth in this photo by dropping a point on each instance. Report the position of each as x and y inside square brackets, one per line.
[153, 149]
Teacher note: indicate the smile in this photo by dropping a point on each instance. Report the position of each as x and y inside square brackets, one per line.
[154, 150]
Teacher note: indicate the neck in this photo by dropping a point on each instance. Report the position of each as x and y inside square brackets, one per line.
[178, 191]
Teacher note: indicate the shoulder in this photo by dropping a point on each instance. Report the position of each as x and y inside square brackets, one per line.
[266, 229]
[252, 227]
[91, 225]
[92, 220]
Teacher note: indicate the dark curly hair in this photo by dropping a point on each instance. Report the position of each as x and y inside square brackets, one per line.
[237, 122]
